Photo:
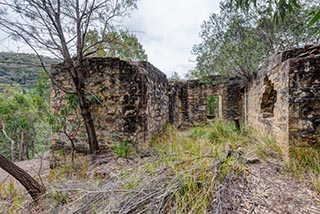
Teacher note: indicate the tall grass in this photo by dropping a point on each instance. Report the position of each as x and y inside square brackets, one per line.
[182, 177]
[305, 163]
[201, 158]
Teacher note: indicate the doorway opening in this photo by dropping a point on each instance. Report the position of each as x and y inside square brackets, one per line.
[269, 98]
[213, 106]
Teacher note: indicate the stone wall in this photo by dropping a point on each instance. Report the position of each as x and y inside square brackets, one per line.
[157, 101]
[134, 100]
[270, 83]
[232, 100]
[304, 102]
[188, 101]
[128, 100]
[283, 98]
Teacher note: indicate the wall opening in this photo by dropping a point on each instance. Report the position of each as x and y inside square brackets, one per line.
[269, 98]
[213, 106]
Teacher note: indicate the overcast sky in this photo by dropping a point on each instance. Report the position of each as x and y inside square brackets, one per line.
[167, 30]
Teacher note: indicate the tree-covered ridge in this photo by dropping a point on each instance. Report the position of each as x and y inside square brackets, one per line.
[21, 68]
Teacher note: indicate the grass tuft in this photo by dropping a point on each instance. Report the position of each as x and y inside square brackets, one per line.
[10, 198]
[303, 159]
[199, 159]
[123, 150]
[304, 163]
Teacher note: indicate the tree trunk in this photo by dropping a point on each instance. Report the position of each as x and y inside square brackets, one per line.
[88, 121]
[78, 76]
[78, 80]
[31, 185]
[21, 147]
[20, 150]
[11, 141]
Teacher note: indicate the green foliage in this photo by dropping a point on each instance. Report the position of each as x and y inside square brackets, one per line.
[123, 150]
[11, 198]
[224, 131]
[24, 114]
[304, 163]
[120, 44]
[315, 19]
[281, 9]
[304, 159]
[60, 198]
[236, 43]
[213, 105]
[72, 101]
[131, 184]
[198, 132]
[77, 168]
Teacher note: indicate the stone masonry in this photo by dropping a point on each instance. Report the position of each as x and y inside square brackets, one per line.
[283, 99]
[134, 100]
[129, 102]
[188, 101]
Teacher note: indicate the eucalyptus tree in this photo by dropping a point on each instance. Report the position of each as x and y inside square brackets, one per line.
[17, 119]
[121, 44]
[235, 43]
[23, 124]
[60, 28]
[232, 45]
[32, 186]
[280, 8]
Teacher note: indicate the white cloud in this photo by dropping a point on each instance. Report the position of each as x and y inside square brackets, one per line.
[169, 28]
[166, 28]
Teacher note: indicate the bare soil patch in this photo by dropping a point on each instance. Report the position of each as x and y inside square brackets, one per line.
[265, 188]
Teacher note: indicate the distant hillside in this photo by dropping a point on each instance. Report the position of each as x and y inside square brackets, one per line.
[20, 68]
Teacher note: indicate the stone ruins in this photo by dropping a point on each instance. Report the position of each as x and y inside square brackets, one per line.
[134, 100]
[283, 98]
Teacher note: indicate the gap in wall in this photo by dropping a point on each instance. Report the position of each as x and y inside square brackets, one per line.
[269, 98]
[212, 107]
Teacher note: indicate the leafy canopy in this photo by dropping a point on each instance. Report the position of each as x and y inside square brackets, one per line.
[235, 43]
[281, 9]
[122, 44]
[24, 116]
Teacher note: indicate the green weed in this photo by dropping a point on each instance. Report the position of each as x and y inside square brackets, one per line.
[198, 132]
[9, 194]
[60, 198]
[305, 159]
[123, 150]
[131, 183]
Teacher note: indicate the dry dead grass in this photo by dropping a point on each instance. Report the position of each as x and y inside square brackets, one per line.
[209, 169]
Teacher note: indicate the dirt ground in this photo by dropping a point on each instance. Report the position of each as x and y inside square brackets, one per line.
[264, 188]
[35, 167]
